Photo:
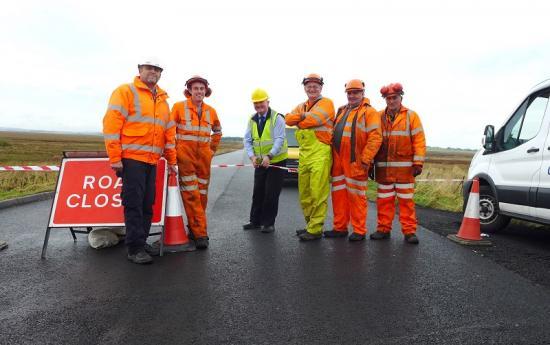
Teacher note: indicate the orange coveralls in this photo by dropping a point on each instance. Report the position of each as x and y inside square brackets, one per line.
[197, 139]
[403, 146]
[361, 139]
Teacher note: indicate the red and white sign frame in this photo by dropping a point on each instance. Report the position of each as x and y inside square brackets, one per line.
[59, 221]
[111, 191]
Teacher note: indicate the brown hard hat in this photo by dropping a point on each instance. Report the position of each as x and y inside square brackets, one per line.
[194, 79]
[314, 78]
[355, 84]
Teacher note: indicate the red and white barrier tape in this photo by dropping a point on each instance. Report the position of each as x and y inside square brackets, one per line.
[249, 165]
[30, 168]
[438, 180]
[56, 168]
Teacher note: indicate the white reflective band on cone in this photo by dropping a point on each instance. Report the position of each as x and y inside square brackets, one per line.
[174, 205]
[472, 208]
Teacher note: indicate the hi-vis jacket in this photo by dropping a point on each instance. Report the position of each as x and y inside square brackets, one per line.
[203, 130]
[318, 116]
[362, 135]
[403, 146]
[138, 125]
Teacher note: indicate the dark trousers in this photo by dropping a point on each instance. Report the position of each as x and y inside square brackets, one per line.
[265, 198]
[138, 197]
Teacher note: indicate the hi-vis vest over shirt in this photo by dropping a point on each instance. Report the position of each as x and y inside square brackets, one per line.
[263, 144]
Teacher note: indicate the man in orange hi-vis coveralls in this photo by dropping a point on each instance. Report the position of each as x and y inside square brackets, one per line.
[398, 162]
[138, 129]
[356, 139]
[314, 119]
[198, 135]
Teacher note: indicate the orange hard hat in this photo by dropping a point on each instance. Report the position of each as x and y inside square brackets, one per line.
[355, 84]
[314, 78]
[392, 89]
[194, 79]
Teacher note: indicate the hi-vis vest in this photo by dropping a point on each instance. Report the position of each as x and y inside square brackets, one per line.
[263, 145]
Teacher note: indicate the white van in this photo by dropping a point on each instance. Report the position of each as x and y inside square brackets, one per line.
[513, 166]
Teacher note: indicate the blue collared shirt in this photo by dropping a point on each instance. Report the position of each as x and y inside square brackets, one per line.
[278, 136]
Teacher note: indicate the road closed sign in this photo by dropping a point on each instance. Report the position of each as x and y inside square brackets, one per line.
[88, 194]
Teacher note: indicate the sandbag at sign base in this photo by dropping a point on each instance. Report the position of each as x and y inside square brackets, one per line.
[105, 237]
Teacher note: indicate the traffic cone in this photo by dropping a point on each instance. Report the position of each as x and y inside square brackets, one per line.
[175, 238]
[470, 232]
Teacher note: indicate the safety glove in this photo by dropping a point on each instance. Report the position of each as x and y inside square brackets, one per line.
[417, 170]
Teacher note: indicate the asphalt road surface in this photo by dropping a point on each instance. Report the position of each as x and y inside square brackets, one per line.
[255, 288]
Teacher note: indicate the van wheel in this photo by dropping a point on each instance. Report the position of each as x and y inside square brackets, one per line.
[489, 214]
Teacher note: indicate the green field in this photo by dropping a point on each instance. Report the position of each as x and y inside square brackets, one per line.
[34, 148]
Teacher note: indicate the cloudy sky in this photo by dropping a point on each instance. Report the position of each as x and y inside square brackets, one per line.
[463, 64]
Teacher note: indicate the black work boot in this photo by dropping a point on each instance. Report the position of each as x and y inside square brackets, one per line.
[411, 238]
[300, 231]
[306, 236]
[152, 250]
[268, 228]
[201, 242]
[335, 233]
[379, 235]
[355, 237]
[140, 257]
[251, 226]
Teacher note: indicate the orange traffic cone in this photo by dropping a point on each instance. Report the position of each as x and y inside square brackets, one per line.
[175, 238]
[470, 232]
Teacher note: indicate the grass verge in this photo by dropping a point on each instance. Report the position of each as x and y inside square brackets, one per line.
[29, 148]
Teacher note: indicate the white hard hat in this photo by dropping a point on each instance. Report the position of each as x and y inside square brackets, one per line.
[151, 61]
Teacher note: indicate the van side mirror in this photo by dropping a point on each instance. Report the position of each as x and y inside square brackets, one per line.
[489, 138]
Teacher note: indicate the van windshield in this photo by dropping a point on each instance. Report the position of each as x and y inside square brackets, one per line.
[291, 137]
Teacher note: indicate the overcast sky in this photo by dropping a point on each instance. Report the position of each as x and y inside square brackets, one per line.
[463, 64]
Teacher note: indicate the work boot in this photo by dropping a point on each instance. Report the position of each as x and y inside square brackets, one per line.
[141, 257]
[411, 238]
[201, 242]
[268, 228]
[306, 236]
[251, 226]
[300, 231]
[379, 235]
[355, 237]
[152, 250]
[335, 233]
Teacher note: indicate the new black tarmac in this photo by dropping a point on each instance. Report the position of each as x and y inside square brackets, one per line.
[256, 288]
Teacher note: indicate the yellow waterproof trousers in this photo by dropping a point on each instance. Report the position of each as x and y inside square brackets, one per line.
[314, 166]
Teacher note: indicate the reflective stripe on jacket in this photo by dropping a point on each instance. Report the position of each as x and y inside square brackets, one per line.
[138, 125]
[317, 116]
[403, 146]
[362, 133]
[263, 144]
[203, 130]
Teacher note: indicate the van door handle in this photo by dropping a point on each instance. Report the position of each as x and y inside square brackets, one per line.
[533, 149]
